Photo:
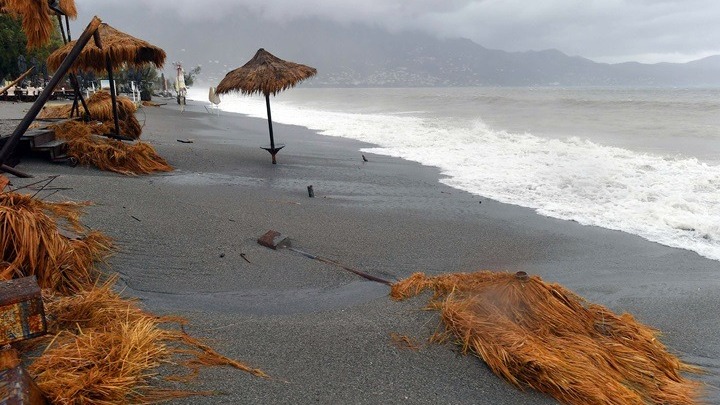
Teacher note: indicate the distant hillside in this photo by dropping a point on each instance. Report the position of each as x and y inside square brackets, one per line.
[356, 55]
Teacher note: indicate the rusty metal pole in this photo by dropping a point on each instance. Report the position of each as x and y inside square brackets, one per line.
[34, 110]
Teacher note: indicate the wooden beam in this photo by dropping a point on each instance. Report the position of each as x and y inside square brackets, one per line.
[47, 92]
[16, 81]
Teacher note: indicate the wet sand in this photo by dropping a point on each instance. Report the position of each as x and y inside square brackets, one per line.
[323, 334]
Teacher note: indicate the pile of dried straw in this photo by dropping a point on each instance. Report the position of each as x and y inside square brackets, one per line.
[103, 348]
[109, 154]
[55, 111]
[100, 108]
[545, 337]
[106, 350]
[31, 243]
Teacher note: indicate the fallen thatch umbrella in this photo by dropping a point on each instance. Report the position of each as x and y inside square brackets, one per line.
[545, 337]
[266, 74]
[100, 108]
[36, 17]
[115, 48]
[109, 154]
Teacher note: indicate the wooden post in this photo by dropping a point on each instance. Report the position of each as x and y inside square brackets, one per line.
[47, 92]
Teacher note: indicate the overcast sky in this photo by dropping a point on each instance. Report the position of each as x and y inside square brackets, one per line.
[610, 31]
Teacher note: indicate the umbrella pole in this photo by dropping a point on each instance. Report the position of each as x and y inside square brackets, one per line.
[108, 66]
[272, 140]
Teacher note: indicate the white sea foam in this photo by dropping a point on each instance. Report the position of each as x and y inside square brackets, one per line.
[671, 200]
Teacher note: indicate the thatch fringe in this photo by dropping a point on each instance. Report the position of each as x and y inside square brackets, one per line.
[121, 47]
[107, 350]
[31, 243]
[36, 19]
[545, 337]
[68, 7]
[265, 73]
[109, 154]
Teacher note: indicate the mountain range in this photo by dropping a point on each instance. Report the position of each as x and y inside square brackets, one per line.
[363, 56]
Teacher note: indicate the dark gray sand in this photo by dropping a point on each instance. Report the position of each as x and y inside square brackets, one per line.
[323, 334]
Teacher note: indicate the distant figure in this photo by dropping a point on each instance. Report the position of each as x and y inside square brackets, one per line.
[364, 158]
[214, 101]
[180, 87]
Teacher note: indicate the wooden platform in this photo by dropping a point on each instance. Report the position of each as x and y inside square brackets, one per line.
[41, 142]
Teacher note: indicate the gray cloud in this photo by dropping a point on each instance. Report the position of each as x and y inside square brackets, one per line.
[603, 30]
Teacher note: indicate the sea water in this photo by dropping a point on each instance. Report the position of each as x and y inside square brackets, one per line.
[640, 160]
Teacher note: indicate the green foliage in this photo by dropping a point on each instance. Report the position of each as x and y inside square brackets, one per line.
[12, 46]
[190, 76]
[15, 58]
[144, 77]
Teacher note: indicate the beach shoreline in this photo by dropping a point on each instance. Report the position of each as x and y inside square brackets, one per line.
[322, 333]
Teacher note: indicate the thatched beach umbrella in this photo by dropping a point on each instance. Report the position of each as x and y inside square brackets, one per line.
[111, 49]
[37, 15]
[266, 74]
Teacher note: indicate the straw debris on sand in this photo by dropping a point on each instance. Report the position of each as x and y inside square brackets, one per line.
[545, 337]
[31, 243]
[109, 154]
[106, 350]
[86, 144]
[103, 348]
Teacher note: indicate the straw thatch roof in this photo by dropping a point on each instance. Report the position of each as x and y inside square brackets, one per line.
[121, 47]
[264, 73]
[36, 17]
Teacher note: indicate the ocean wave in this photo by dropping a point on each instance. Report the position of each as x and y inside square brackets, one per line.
[667, 199]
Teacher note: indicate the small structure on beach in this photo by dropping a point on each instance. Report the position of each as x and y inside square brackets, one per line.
[111, 49]
[267, 74]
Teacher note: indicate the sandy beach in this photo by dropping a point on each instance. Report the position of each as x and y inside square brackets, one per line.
[323, 334]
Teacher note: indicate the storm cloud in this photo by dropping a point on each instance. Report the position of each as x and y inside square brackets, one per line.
[602, 30]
